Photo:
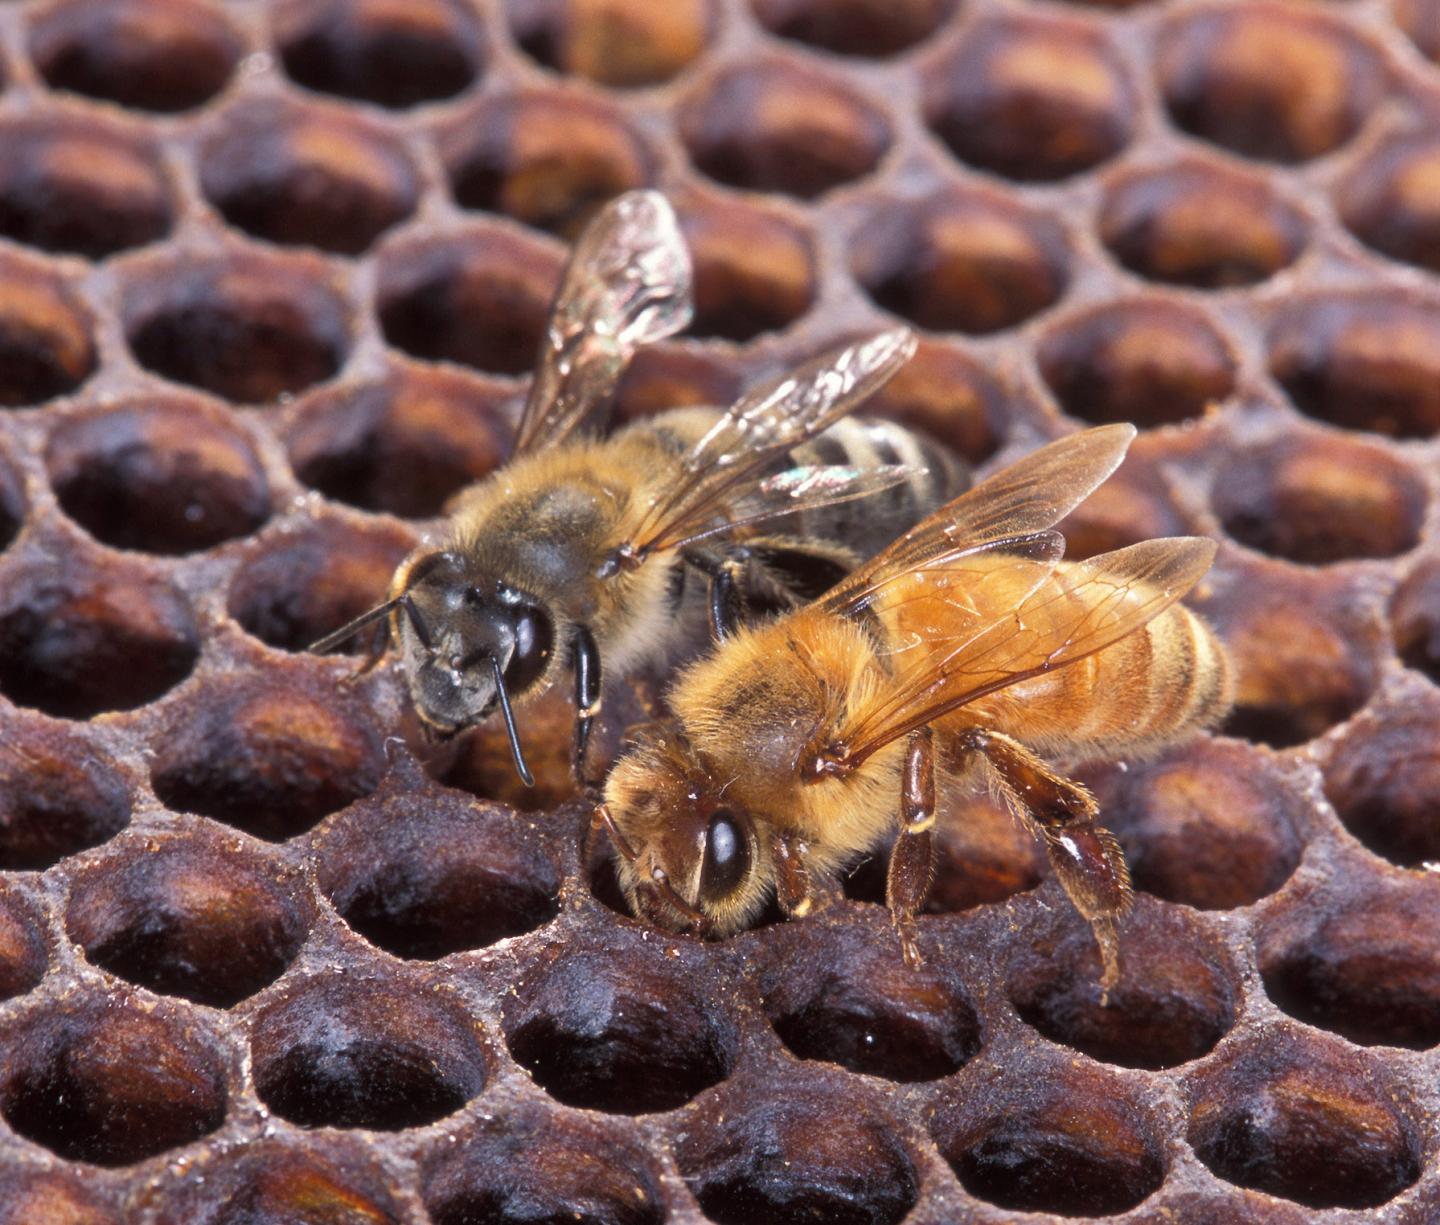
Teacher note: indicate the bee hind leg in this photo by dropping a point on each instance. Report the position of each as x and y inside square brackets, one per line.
[912, 860]
[1085, 855]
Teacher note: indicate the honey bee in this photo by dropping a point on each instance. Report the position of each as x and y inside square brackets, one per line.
[580, 546]
[967, 649]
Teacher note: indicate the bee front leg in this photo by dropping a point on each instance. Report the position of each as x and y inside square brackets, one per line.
[797, 890]
[912, 861]
[724, 573]
[1085, 855]
[585, 659]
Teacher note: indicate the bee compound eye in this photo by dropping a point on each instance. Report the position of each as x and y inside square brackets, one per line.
[727, 856]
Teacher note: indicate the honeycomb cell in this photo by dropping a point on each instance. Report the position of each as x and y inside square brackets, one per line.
[1210, 825]
[23, 955]
[624, 43]
[109, 1080]
[1201, 225]
[57, 1196]
[159, 474]
[946, 394]
[362, 1051]
[1268, 81]
[80, 187]
[266, 756]
[1150, 361]
[666, 376]
[755, 270]
[1139, 502]
[12, 502]
[422, 871]
[874, 29]
[82, 638]
[1420, 19]
[1304, 1119]
[780, 127]
[306, 176]
[480, 297]
[626, 1028]
[47, 347]
[550, 160]
[1388, 200]
[295, 587]
[250, 329]
[1031, 99]
[839, 994]
[299, 1181]
[960, 260]
[61, 795]
[1359, 965]
[1070, 1139]
[1415, 620]
[195, 917]
[394, 55]
[1175, 1000]
[1363, 362]
[531, 1166]
[795, 1148]
[151, 55]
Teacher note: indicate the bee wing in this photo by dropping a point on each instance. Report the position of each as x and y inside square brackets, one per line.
[985, 640]
[718, 473]
[626, 284]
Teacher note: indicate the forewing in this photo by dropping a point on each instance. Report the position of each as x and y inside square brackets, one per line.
[627, 283]
[1077, 610]
[721, 470]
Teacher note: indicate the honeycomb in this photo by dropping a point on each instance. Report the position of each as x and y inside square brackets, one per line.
[271, 279]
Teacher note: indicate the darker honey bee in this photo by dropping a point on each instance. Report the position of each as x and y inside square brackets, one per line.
[579, 548]
[970, 650]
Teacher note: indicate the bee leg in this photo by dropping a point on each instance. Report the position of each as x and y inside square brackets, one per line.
[723, 573]
[1084, 855]
[585, 659]
[912, 860]
[798, 892]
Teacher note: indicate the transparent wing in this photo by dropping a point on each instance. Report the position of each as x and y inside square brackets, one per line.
[723, 468]
[626, 284]
[949, 651]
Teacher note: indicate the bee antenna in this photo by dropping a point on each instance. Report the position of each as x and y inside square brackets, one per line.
[510, 729]
[333, 640]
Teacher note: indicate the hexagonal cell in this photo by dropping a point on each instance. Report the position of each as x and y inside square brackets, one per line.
[1059, 1137]
[152, 55]
[530, 1166]
[1303, 1118]
[625, 43]
[625, 1029]
[1150, 361]
[755, 269]
[836, 992]
[81, 187]
[61, 795]
[249, 329]
[1139, 502]
[1415, 619]
[795, 1147]
[302, 175]
[376, 51]
[24, 956]
[1420, 19]
[266, 755]
[47, 347]
[949, 396]
[402, 444]
[548, 159]
[1200, 225]
[110, 1081]
[960, 260]
[668, 376]
[1033, 99]
[1177, 995]
[1362, 361]
[85, 637]
[12, 501]
[62, 1195]
[161, 474]
[1210, 825]
[1388, 201]
[1268, 80]
[195, 917]
[293, 588]
[422, 871]
[480, 296]
[874, 29]
[782, 127]
[366, 1051]
[298, 1180]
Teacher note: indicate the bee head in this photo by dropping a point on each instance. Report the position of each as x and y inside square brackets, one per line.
[686, 859]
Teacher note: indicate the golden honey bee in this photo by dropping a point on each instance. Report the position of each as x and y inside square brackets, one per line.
[969, 649]
[580, 546]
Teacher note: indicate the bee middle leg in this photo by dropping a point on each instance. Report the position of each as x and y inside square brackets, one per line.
[724, 573]
[1085, 855]
[912, 860]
